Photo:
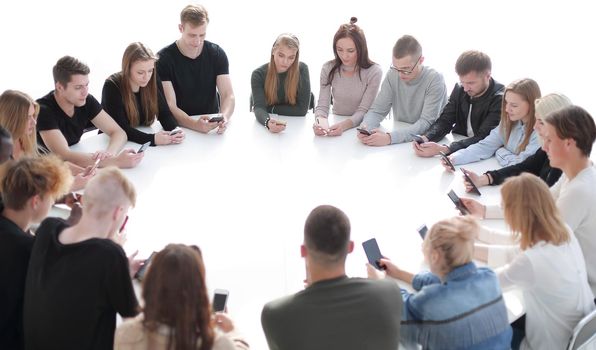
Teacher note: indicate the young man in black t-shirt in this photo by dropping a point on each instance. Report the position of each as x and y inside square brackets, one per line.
[65, 113]
[78, 277]
[29, 187]
[193, 72]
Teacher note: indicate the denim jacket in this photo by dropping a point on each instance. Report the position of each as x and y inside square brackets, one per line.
[466, 311]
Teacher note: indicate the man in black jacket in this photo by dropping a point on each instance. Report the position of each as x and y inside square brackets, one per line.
[473, 110]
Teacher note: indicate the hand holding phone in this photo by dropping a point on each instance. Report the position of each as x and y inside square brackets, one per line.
[417, 138]
[176, 130]
[143, 147]
[322, 123]
[458, 203]
[141, 271]
[468, 180]
[373, 253]
[422, 230]
[216, 118]
[220, 300]
[447, 160]
[363, 131]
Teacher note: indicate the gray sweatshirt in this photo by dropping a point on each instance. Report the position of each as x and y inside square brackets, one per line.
[418, 102]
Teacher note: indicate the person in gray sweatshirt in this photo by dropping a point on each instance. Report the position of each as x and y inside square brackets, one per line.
[416, 93]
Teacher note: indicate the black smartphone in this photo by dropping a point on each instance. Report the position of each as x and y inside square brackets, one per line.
[417, 138]
[458, 203]
[141, 271]
[447, 160]
[468, 180]
[216, 118]
[220, 299]
[373, 253]
[363, 131]
[422, 230]
[143, 147]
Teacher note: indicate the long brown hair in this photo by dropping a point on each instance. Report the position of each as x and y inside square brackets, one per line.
[293, 78]
[14, 117]
[176, 296]
[531, 212]
[352, 31]
[138, 52]
[529, 90]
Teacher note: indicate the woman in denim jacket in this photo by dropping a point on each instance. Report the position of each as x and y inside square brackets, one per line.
[456, 305]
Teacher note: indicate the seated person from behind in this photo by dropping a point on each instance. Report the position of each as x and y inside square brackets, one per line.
[181, 317]
[538, 163]
[473, 110]
[514, 139]
[334, 311]
[456, 305]
[29, 187]
[416, 94]
[65, 113]
[134, 97]
[351, 80]
[195, 74]
[281, 86]
[78, 277]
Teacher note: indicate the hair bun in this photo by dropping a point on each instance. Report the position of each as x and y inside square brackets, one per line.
[353, 20]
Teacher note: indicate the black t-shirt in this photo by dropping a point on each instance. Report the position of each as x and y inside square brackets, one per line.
[51, 117]
[194, 80]
[15, 249]
[73, 291]
[113, 103]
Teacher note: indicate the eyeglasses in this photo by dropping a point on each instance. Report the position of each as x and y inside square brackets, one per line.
[405, 71]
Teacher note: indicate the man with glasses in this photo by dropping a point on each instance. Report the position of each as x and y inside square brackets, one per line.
[473, 110]
[415, 92]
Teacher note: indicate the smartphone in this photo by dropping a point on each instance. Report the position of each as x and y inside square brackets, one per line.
[458, 203]
[468, 180]
[373, 253]
[281, 122]
[323, 123]
[143, 147]
[422, 230]
[216, 118]
[447, 160]
[176, 130]
[417, 138]
[363, 131]
[123, 224]
[220, 299]
[93, 167]
[141, 272]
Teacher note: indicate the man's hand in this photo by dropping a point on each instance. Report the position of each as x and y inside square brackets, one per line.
[204, 126]
[377, 138]
[128, 158]
[428, 149]
[474, 207]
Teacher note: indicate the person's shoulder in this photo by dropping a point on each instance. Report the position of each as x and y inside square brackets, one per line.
[167, 51]
[114, 80]
[498, 89]
[374, 69]
[433, 74]
[213, 48]
[50, 225]
[302, 65]
[261, 71]
[47, 104]
[130, 332]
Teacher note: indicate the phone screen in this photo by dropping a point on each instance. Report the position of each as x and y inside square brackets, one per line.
[176, 130]
[447, 160]
[373, 253]
[216, 118]
[417, 138]
[422, 230]
[468, 180]
[143, 147]
[364, 131]
[219, 301]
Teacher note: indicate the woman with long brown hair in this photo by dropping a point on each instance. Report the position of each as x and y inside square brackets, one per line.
[281, 86]
[18, 115]
[177, 313]
[134, 97]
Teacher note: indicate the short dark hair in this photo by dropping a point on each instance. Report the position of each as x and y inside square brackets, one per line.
[66, 67]
[327, 233]
[575, 123]
[472, 61]
[407, 45]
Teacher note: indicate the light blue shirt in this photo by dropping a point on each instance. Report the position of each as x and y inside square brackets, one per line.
[494, 144]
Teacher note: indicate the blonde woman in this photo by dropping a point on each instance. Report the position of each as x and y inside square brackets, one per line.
[456, 305]
[538, 163]
[513, 140]
[18, 115]
[281, 86]
[550, 267]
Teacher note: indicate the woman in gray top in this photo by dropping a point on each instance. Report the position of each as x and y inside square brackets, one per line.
[351, 81]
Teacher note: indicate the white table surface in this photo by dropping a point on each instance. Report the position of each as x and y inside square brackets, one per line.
[243, 198]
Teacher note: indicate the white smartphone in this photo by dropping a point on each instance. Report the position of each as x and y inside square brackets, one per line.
[176, 130]
[220, 300]
[143, 147]
[323, 123]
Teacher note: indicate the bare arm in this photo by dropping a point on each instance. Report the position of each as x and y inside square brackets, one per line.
[228, 100]
[57, 144]
[183, 119]
[117, 136]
